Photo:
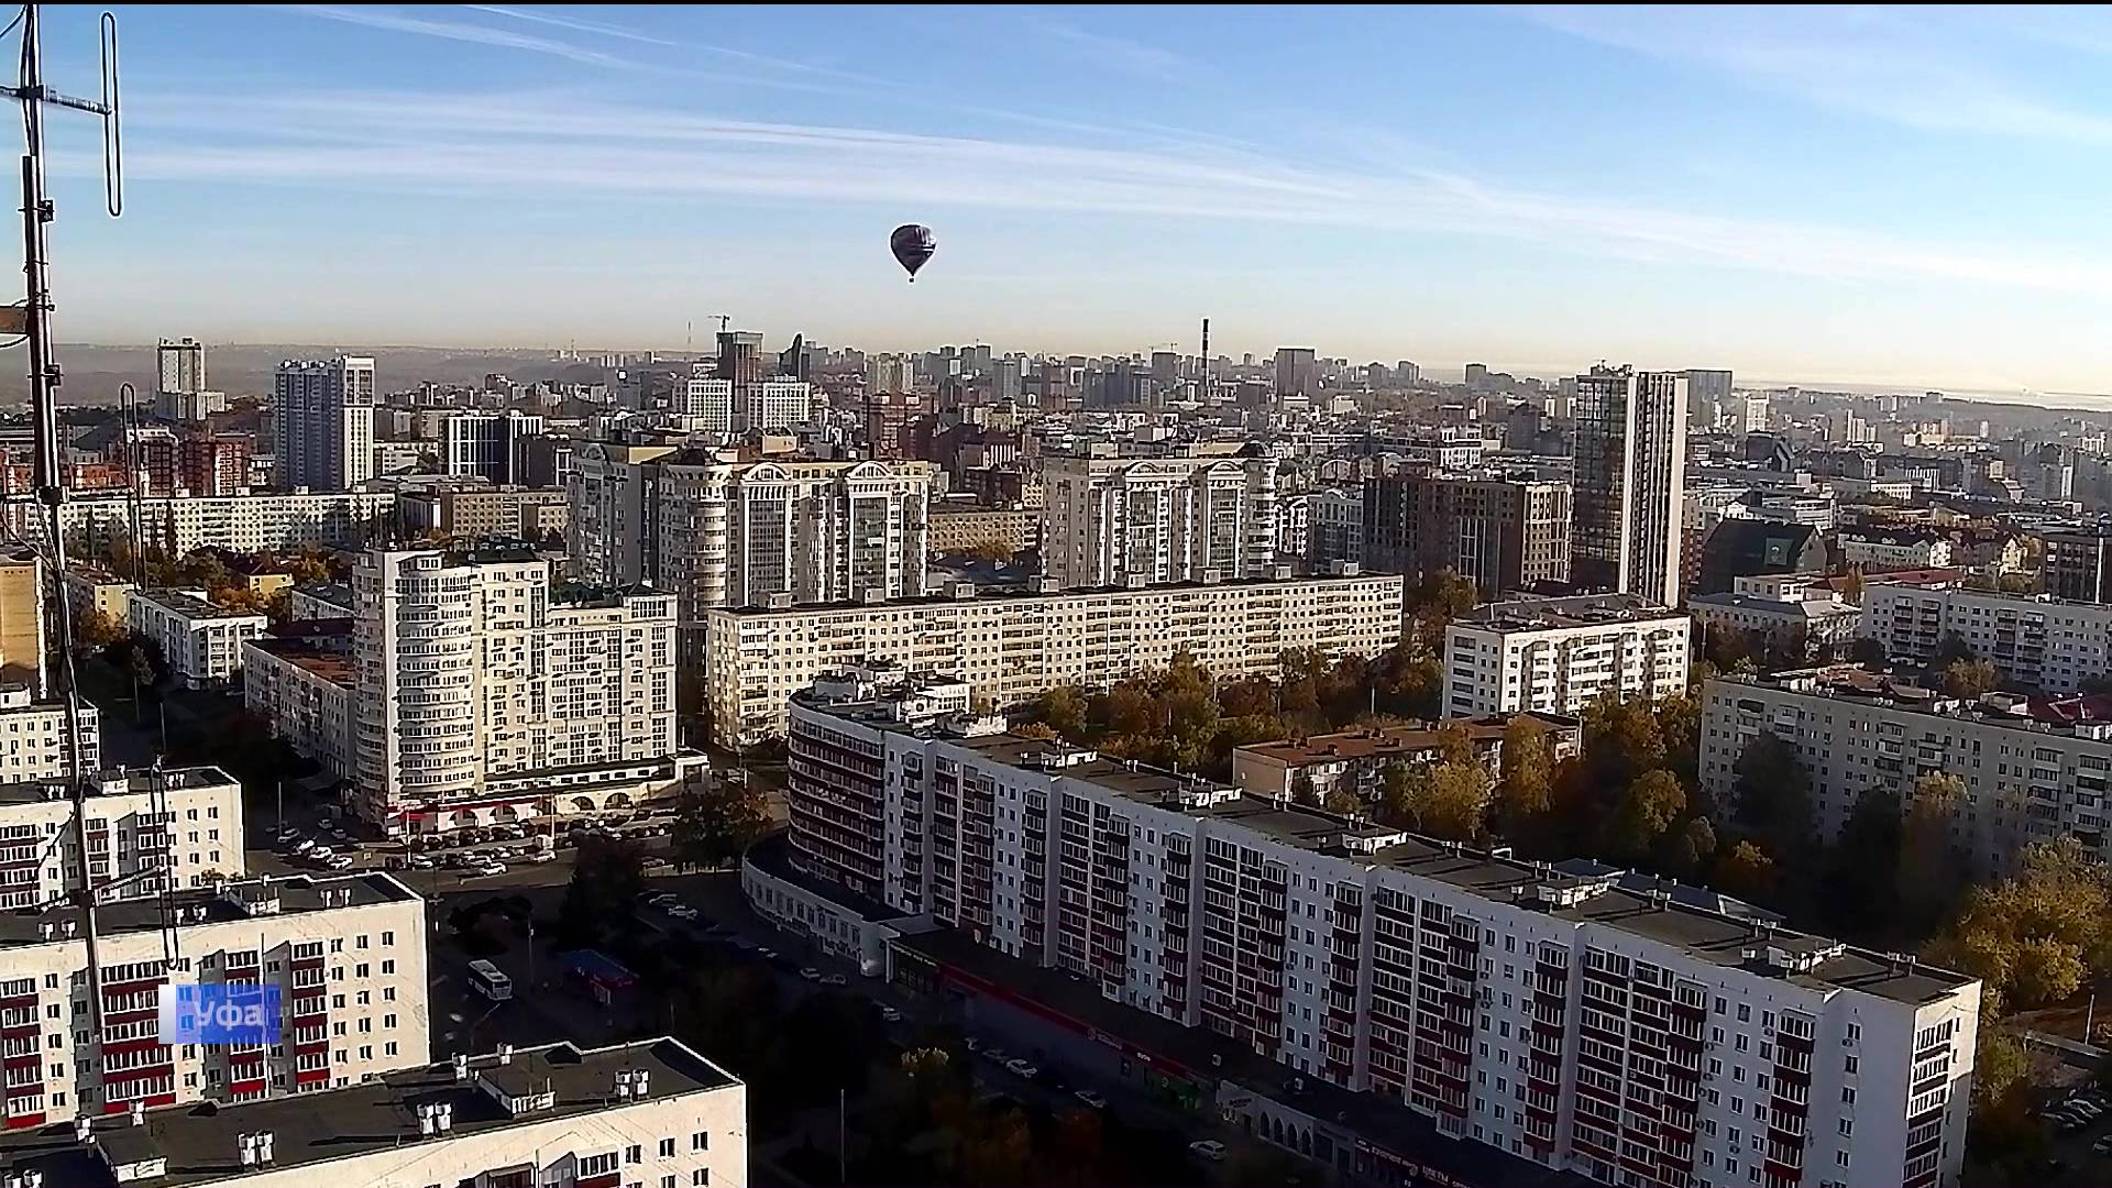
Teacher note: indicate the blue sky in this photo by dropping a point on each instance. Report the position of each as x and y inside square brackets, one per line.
[1884, 196]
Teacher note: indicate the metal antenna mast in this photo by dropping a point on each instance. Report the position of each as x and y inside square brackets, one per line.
[49, 473]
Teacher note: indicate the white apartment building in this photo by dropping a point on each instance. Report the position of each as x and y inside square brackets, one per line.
[650, 1112]
[1113, 521]
[710, 402]
[1012, 647]
[322, 418]
[2032, 772]
[33, 741]
[718, 532]
[1567, 1015]
[1806, 627]
[1879, 548]
[1629, 481]
[2035, 641]
[347, 953]
[305, 691]
[237, 523]
[1555, 655]
[148, 832]
[486, 444]
[200, 641]
[483, 691]
[774, 405]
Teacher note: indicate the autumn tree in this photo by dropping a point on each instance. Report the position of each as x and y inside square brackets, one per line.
[1773, 795]
[1447, 799]
[2033, 938]
[716, 820]
[95, 629]
[1340, 799]
[1746, 871]
[1971, 678]
[1063, 708]
[1525, 788]
[1651, 806]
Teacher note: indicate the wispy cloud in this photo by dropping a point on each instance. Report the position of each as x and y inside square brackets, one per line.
[539, 17]
[1926, 69]
[514, 143]
[397, 22]
[1120, 52]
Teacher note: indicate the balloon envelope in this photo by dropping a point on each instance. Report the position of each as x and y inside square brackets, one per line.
[913, 245]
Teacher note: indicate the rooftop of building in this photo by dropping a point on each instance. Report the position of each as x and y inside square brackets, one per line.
[1408, 738]
[1891, 535]
[773, 856]
[1492, 873]
[208, 905]
[980, 594]
[312, 655]
[2092, 531]
[198, 1143]
[2086, 715]
[94, 574]
[118, 782]
[1806, 608]
[1582, 610]
[334, 593]
[191, 604]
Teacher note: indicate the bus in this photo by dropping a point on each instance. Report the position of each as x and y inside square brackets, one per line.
[487, 980]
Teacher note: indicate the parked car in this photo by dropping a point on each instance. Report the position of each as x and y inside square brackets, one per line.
[341, 862]
[421, 862]
[489, 869]
[539, 857]
[889, 1014]
[810, 974]
[835, 979]
[1209, 1149]
[681, 911]
[1018, 1067]
[1091, 1099]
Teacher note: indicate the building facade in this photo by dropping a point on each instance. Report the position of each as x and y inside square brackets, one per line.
[22, 618]
[323, 423]
[200, 642]
[1885, 548]
[1010, 648]
[237, 523]
[1107, 521]
[2031, 773]
[305, 691]
[1555, 655]
[486, 444]
[2034, 641]
[1798, 628]
[2076, 562]
[1355, 761]
[344, 951]
[1335, 531]
[482, 690]
[1502, 534]
[37, 749]
[649, 1112]
[1629, 481]
[148, 832]
[1627, 1035]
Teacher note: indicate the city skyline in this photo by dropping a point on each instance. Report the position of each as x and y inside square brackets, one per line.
[1759, 191]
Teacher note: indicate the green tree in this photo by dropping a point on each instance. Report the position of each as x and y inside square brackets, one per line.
[717, 820]
[1064, 708]
[1342, 801]
[1692, 850]
[1929, 864]
[1971, 678]
[607, 875]
[1774, 795]
[92, 628]
[1868, 652]
[1859, 884]
[1652, 805]
[1302, 789]
[1448, 800]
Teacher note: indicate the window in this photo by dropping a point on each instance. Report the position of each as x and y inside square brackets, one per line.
[667, 1148]
[634, 1154]
[700, 1177]
[700, 1141]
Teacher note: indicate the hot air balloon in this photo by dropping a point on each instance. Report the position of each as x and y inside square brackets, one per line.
[913, 245]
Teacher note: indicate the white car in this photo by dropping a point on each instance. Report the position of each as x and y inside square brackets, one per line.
[539, 857]
[491, 868]
[1209, 1149]
[681, 911]
[1091, 1099]
[421, 862]
[341, 862]
[1019, 1067]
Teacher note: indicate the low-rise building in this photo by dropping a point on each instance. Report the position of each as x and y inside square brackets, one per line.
[148, 832]
[648, 1112]
[348, 955]
[1526, 1006]
[519, 513]
[1554, 655]
[2034, 770]
[237, 523]
[2035, 642]
[1798, 628]
[323, 600]
[2077, 561]
[1010, 647]
[200, 641]
[93, 588]
[1356, 760]
[1894, 548]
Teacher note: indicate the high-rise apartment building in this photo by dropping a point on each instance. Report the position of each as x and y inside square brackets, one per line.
[2035, 642]
[709, 402]
[323, 420]
[1569, 1014]
[2077, 562]
[776, 404]
[1555, 655]
[1297, 372]
[718, 532]
[1334, 527]
[486, 444]
[1012, 647]
[348, 956]
[1114, 521]
[1707, 389]
[1502, 534]
[483, 691]
[1629, 481]
[180, 366]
